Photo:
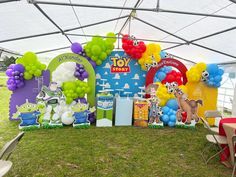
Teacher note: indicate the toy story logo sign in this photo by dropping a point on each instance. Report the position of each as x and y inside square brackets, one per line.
[120, 64]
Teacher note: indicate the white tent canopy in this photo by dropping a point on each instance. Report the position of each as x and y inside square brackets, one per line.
[203, 30]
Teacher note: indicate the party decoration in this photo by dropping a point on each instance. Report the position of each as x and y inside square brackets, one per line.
[15, 73]
[28, 114]
[98, 49]
[173, 76]
[53, 100]
[155, 111]
[76, 48]
[169, 115]
[163, 54]
[31, 64]
[188, 106]
[81, 113]
[67, 118]
[133, 47]
[75, 89]
[64, 72]
[80, 72]
[163, 94]
[140, 113]
[161, 73]
[195, 73]
[213, 75]
[150, 57]
[93, 63]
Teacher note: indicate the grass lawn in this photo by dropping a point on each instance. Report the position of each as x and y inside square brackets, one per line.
[116, 151]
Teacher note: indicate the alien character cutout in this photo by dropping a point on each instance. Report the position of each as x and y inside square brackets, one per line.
[81, 113]
[28, 114]
[155, 111]
[52, 98]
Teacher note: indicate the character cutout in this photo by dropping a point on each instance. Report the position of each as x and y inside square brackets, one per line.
[28, 114]
[53, 99]
[81, 114]
[155, 111]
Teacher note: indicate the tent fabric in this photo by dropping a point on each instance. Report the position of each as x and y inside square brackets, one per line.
[21, 19]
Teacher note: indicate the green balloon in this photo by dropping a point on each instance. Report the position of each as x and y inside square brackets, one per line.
[38, 73]
[30, 57]
[108, 52]
[78, 90]
[103, 56]
[27, 76]
[96, 50]
[112, 38]
[43, 66]
[94, 58]
[99, 62]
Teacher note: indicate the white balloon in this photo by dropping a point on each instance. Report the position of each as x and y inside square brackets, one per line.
[67, 118]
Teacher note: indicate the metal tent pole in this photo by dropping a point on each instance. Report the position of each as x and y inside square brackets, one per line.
[118, 37]
[6, 1]
[131, 8]
[54, 23]
[58, 32]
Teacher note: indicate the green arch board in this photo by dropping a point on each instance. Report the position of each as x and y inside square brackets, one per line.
[71, 57]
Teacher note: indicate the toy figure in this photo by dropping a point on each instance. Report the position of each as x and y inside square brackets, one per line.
[28, 113]
[81, 113]
[52, 97]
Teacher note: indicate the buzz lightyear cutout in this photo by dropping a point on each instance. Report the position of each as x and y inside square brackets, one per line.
[53, 99]
[28, 114]
[155, 111]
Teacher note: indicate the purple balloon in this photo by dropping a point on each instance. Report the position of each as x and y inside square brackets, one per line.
[11, 87]
[16, 73]
[17, 77]
[21, 74]
[81, 67]
[76, 48]
[11, 66]
[85, 74]
[9, 72]
[81, 70]
[18, 81]
[93, 63]
[10, 81]
[21, 84]
[18, 67]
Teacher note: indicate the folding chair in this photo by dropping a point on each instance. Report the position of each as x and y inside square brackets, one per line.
[10, 147]
[5, 166]
[213, 139]
[213, 114]
[234, 141]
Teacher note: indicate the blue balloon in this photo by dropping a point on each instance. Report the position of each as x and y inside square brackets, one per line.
[156, 79]
[168, 69]
[173, 118]
[218, 78]
[165, 118]
[212, 69]
[173, 104]
[221, 72]
[163, 54]
[165, 109]
[161, 76]
[171, 124]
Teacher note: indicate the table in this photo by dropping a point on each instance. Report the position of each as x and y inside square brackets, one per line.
[5, 166]
[224, 130]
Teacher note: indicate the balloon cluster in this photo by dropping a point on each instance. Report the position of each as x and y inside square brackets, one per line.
[31, 64]
[64, 72]
[195, 73]
[15, 73]
[151, 56]
[163, 94]
[98, 49]
[93, 63]
[80, 72]
[215, 75]
[132, 47]
[74, 89]
[173, 76]
[161, 73]
[76, 48]
[169, 113]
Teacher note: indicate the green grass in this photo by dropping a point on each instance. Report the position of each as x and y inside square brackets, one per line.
[116, 151]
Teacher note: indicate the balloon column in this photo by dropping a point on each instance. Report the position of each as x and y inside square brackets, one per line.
[31, 64]
[132, 47]
[80, 72]
[210, 74]
[74, 89]
[98, 49]
[150, 57]
[169, 113]
[15, 73]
